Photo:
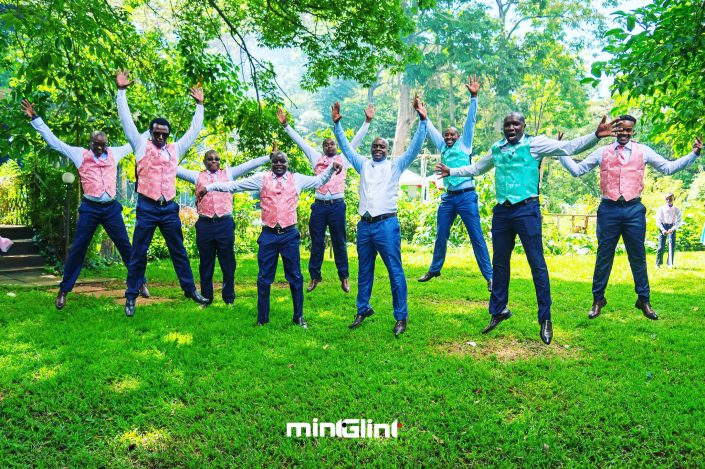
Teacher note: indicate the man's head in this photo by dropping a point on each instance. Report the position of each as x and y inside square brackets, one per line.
[98, 143]
[280, 162]
[669, 198]
[330, 148]
[450, 136]
[514, 125]
[625, 131]
[212, 160]
[380, 147]
[160, 129]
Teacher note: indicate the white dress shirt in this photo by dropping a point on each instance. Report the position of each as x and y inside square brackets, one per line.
[669, 215]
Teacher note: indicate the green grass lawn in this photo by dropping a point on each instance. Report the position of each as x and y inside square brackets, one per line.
[186, 386]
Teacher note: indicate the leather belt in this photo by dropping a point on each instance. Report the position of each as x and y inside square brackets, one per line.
[379, 218]
[460, 191]
[507, 203]
[214, 219]
[329, 201]
[160, 202]
[622, 202]
[278, 229]
[102, 204]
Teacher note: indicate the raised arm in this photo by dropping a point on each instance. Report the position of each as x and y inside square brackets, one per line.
[353, 157]
[661, 164]
[481, 166]
[360, 135]
[75, 154]
[186, 140]
[252, 183]
[473, 86]
[311, 153]
[434, 134]
[585, 166]
[121, 152]
[189, 175]
[128, 125]
[235, 172]
[304, 182]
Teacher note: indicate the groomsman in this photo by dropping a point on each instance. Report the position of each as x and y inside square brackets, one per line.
[328, 210]
[621, 213]
[157, 161]
[215, 229]
[97, 168]
[460, 197]
[517, 159]
[279, 197]
[378, 229]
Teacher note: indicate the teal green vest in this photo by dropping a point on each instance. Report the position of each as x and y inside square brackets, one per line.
[516, 171]
[454, 157]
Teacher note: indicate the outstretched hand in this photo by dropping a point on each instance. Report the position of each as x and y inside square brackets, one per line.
[197, 94]
[370, 113]
[420, 107]
[122, 78]
[442, 170]
[473, 86]
[335, 112]
[28, 109]
[607, 129]
[282, 117]
[698, 145]
[338, 167]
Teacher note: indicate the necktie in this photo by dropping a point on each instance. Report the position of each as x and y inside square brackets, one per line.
[620, 154]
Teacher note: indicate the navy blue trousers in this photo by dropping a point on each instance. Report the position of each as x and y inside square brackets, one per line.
[271, 246]
[216, 239]
[465, 205]
[616, 219]
[90, 215]
[331, 216]
[524, 220]
[663, 246]
[150, 216]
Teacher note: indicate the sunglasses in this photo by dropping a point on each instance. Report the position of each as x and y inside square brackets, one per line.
[165, 135]
[210, 158]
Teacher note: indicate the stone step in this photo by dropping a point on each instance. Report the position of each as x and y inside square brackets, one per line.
[22, 246]
[21, 260]
[16, 231]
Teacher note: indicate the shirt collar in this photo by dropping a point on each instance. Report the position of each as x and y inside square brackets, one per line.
[628, 146]
[284, 177]
[503, 143]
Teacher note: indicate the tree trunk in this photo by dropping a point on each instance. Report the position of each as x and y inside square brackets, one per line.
[451, 102]
[404, 116]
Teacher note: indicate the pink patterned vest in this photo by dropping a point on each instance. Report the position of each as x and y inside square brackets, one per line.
[157, 176]
[214, 203]
[98, 177]
[336, 184]
[618, 179]
[278, 200]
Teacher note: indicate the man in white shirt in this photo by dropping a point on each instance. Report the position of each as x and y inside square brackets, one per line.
[668, 219]
[378, 230]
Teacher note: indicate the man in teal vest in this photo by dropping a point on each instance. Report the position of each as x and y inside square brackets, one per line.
[517, 159]
[460, 197]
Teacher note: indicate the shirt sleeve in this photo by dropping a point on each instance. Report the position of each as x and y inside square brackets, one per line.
[128, 125]
[659, 219]
[469, 128]
[352, 156]
[121, 151]
[252, 183]
[434, 134]
[189, 175]
[405, 160]
[662, 165]
[543, 146]
[235, 172]
[360, 135]
[304, 182]
[679, 219]
[75, 154]
[186, 140]
[311, 153]
[481, 166]
[585, 166]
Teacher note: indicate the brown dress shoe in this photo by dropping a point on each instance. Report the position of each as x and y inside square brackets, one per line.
[345, 285]
[314, 283]
[646, 308]
[597, 308]
[60, 300]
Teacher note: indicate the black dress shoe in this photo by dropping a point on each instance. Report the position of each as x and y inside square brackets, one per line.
[489, 285]
[129, 308]
[197, 297]
[597, 308]
[546, 331]
[646, 308]
[60, 300]
[496, 319]
[313, 284]
[361, 317]
[428, 276]
[399, 328]
[300, 322]
[144, 293]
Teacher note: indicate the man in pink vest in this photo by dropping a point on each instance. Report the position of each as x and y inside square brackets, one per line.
[156, 162]
[279, 197]
[97, 168]
[215, 229]
[621, 212]
[328, 210]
